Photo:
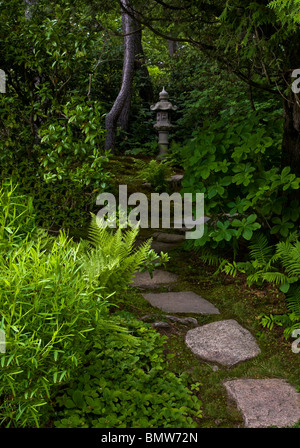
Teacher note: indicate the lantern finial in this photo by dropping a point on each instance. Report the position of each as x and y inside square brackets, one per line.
[163, 94]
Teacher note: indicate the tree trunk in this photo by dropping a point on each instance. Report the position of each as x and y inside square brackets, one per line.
[146, 88]
[125, 113]
[128, 70]
[291, 133]
[172, 47]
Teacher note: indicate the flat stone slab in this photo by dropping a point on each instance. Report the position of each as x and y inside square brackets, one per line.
[170, 238]
[183, 320]
[176, 178]
[181, 302]
[265, 402]
[225, 342]
[159, 246]
[143, 279]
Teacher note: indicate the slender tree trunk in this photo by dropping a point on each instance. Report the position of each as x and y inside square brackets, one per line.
[291, 134]
[125, 113]
[172, 47]
[128, 70]
[146, 88]
[123, 120]
[291, 131]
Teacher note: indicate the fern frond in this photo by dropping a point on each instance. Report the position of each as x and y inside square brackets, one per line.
[112, 261]
[293, 237]
[260, 250]
[212, 258]
[275, 277]
[254, 278]
[290, 257]
[98, 236]
[289, 330]
[293, 299]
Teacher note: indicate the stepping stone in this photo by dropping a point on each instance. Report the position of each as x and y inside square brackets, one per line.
[175, 180]
[143, 279]
[181, 302]
[183, 320]
[224, 342]
[265, 402]
[161, 325]
[170, 238]
[159, 246]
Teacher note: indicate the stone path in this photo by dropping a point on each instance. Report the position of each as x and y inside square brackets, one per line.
[181, 302]
[262, 402]
[224, 342]
[160, 278]
[266, 402]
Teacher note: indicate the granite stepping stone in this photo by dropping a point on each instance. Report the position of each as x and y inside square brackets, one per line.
[159, 246]
[225, 342]
[183, 320]
[181, 302]
[143, 279]
[265, 402]
[170, 238]
[177, 178]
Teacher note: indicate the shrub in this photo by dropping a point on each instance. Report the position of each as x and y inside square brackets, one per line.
[235, 162]
[17, 219]
[51, 312]
[126, 384]
[67, 170]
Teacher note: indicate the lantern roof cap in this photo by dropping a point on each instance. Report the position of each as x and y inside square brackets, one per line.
[163, 104]
[163, 94]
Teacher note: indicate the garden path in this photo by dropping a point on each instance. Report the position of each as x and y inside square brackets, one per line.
[223, 343]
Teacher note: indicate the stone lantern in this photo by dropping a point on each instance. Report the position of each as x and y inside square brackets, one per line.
[163, 121]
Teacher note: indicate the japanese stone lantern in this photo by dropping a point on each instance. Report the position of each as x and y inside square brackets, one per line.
[163, 121]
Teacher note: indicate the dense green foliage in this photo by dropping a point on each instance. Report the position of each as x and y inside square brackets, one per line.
[72, 359]
[125, 384]
[222, 160]
[51, 121]
[55, 299]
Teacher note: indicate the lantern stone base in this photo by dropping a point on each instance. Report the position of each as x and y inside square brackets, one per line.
[163, 151]
[163, 143]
